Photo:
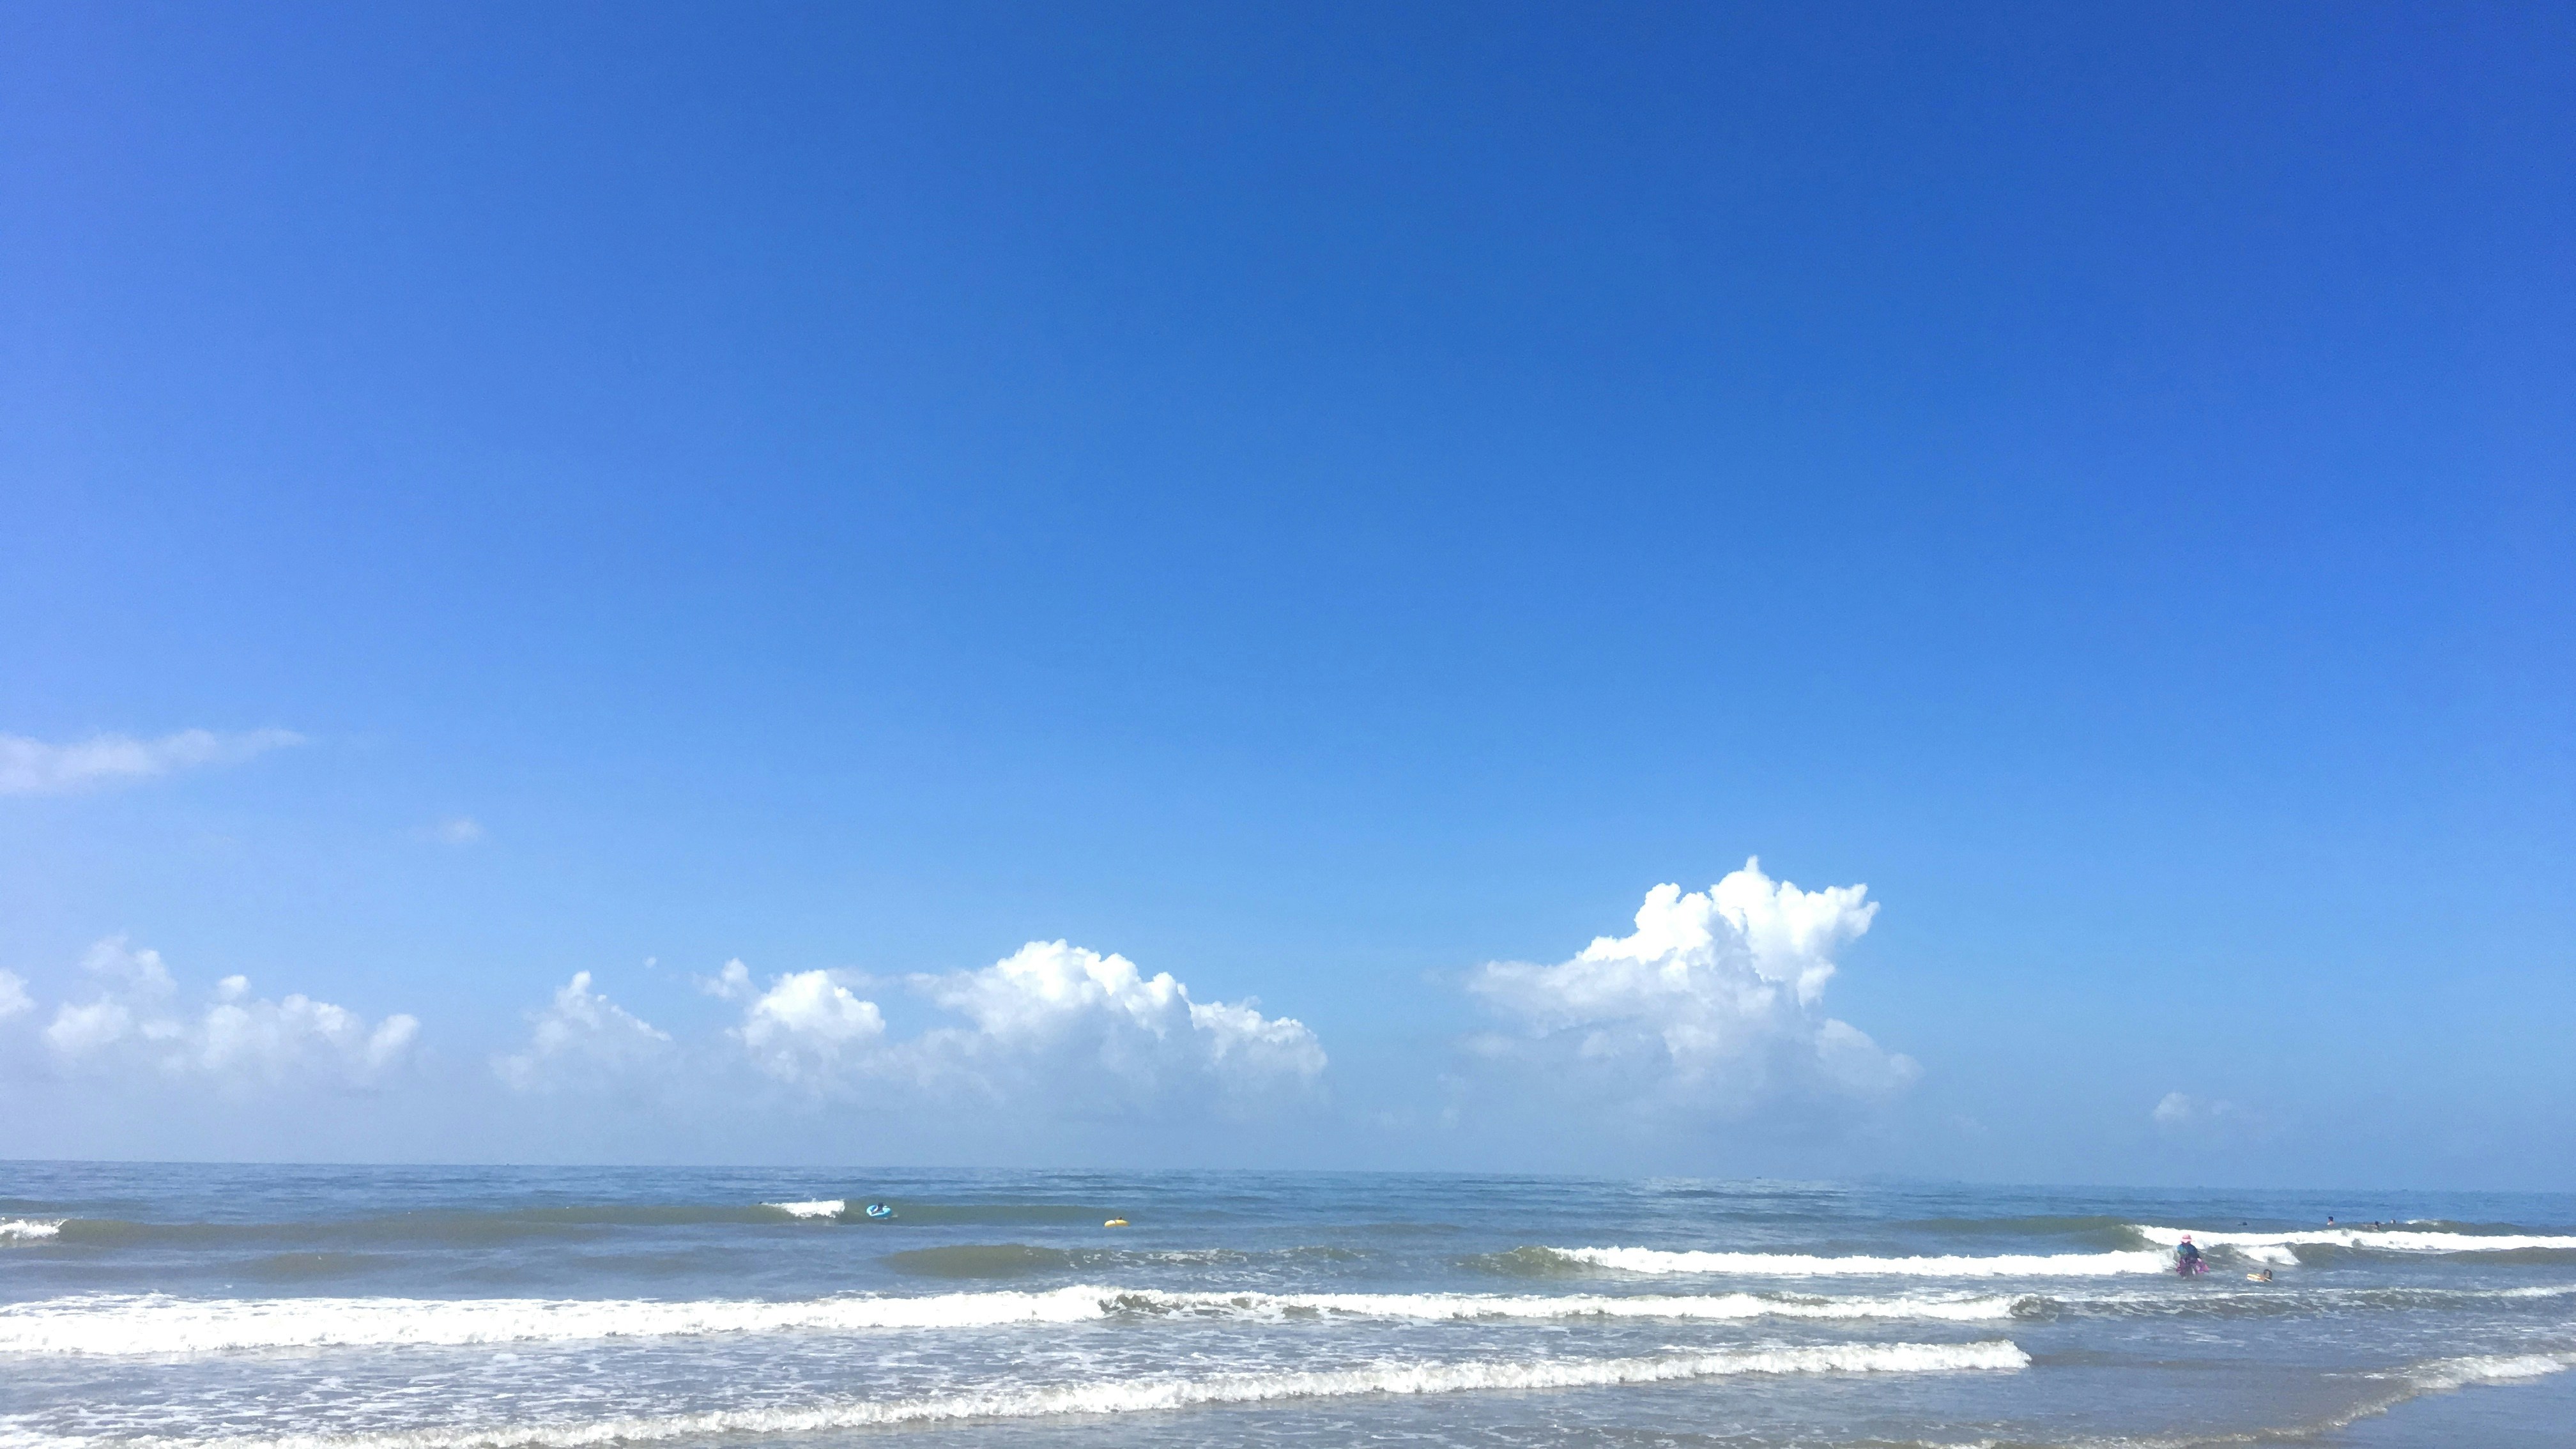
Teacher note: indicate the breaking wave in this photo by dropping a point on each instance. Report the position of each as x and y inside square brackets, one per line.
[1020, 1260]
[1803, 1265]
[830, 1207]
[1130, 1396]
[151, 1324]
[156, 1325]
[1955, 1308]
[2279, 1247]
[27, 1230]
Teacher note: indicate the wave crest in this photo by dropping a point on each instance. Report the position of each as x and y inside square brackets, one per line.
[2279, 1247]
[1130, 1396]
[155, 1325]
[1803, 1265]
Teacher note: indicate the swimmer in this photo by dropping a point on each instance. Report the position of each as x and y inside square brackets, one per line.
[2261, 1276]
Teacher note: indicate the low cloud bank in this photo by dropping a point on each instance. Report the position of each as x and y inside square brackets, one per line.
[1711, 1008]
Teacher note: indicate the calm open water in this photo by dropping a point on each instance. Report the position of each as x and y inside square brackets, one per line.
[437, 1306]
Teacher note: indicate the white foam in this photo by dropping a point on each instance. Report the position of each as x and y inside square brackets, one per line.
[2388, 1240]
[152, 1325]
[156, 1324]
[829, 1207]
[26, 1230]
[1954, 1308]
[1140, 1396]
[1800, 1265]
[2452, 1373]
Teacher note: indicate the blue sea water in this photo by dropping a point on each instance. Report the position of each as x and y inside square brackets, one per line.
[448, 1307]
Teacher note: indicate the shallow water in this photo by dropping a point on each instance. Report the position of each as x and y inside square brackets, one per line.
[437, 1307]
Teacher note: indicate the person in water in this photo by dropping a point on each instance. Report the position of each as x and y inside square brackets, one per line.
[2187, 1257]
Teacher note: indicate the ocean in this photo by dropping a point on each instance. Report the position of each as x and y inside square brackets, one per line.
[451, 1307]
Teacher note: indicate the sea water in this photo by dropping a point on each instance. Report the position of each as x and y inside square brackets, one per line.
[442, 1308]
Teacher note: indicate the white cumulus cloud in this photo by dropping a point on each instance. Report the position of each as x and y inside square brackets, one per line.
[733, 983]
[1054, 1013]
[581, 1038]
[237, 1040]
[807, 1027]
[1053, 1026]
[14, 1000]
[1711, 1007]
[33, 767]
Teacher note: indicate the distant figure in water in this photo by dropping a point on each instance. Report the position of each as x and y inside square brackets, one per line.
[2187, 1258]
[2330, 1220]
[2262, 1275]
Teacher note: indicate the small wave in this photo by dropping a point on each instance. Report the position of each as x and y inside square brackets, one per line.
[2456, 1373]
[1145, 1396]
[1958, 1308]
[27, 1230]
[1800, 1265]
[2390, 1240]
[1020, 1260]
[828, 1207]
[984, 1260]
[156, 1325]
[2203, 1301]
[428, 1228]
[910, 1213]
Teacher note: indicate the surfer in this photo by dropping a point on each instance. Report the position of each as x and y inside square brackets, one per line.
[2187, 1258]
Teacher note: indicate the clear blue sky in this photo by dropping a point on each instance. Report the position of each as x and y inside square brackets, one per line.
[1314, 500]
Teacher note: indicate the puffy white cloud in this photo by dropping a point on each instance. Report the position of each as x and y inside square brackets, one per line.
[236, 1041]
[733, 983]
[14, 1000]
[33, 767]
[581, 1038]
[1711, 1007]
[2209, 1120]
[807, 1027]
[1053, 1026]
[1055, 1014]
[273, 1039]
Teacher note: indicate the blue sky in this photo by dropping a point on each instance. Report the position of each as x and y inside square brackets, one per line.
[1314, 501]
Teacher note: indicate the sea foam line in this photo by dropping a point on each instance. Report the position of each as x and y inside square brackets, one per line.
[148, 1325]
[1801, 1265]
[1131, 1396]
[2389, 1240]
[1955, 1308]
